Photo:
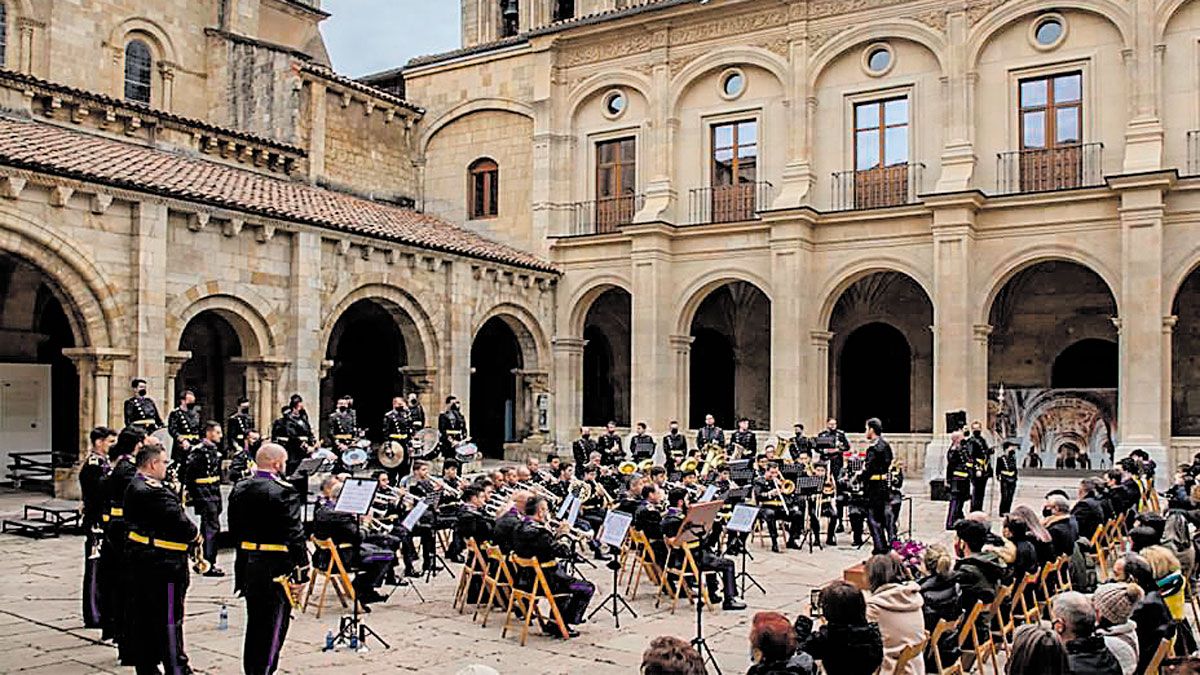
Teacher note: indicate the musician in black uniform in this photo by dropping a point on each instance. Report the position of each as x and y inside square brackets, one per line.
[372, 562]
[958, 478]
[641, 444]
[981, 465]
[610, 446]
[875, 485]
[507, 522]
[183, 423]
[202, 477]
[583, 447]
[710, 433]
[745, 438]
[140, 411]
[241, 461]
[534, 539]
[648, 519]
[472, 522]
[160, 535]
[416, 413]
[832, 442]
[293, 432]
[92, 475]
[1006, 474]
[114, 602]
[706, 558]
[264, 521]
[770, 501]
[675, 447]
[240, 423]
[423, 487]
[342, 425]
[452, 426]
[800, 442]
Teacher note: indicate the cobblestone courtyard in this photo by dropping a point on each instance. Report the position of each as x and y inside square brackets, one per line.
[42, 628]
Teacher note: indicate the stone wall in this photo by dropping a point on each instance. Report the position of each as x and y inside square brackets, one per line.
[367, 152]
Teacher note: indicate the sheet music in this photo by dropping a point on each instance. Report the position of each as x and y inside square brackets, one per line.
[573, 513]
[410, 521]
[743, 518]
[563, 507]
[709, 493]
[616, 525]
[357, 496]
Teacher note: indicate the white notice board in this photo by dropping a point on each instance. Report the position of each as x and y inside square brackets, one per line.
[24, 410]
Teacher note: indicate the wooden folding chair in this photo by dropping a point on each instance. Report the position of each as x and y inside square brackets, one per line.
[1063, 567]
[1101, 555]
[913, 651]
[935, 639]
[983, 651]
[1005, 625]
[1028, 610]
[688, 569]
[1160, 654]
[1045, 591]
[526, 601]
[498, 582]
[475, 566]
[334, 572]
[644, 562]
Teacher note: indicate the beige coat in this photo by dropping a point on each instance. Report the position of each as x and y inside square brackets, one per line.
[897, 610]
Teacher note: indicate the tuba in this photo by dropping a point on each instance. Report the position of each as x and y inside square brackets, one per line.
[689, 464]
[581, 490]
[627, 468]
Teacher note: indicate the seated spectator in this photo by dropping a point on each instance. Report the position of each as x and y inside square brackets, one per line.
[1002, 547]
[1039, 535]
[773, 648]
[1114, 605]
[1074, 620]
[977, 572]
[941, 596]
[895, 604]
[668, 655]
[1026, 560]
[1169, 579]
[1151, 615]
[847, 644]
[1036, 648]
[1143, 537]
[1089, 509]
[1061, 525]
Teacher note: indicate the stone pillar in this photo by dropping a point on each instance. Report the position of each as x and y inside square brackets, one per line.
[530, 383]
[819, 384]
[797, 177]
[149, 277]
[1144, 406]
[166, 72]
[1168, 328]
[655, 391]
[28, 28]
[660, 139]
[958, 92]
[174, 361]
[262, 388]
[681, 348]
[304, 350]
[977, 395]
[316, 130]
[953, 308]
[96, 407]
[787, 308]
[456, 348]
[568, 369]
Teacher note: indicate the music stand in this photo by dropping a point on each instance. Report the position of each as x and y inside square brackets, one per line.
[742, 520]
[356, 498]
[696, 527]
[613, 531]
[734, 497]
[808, 487]
[741, 471]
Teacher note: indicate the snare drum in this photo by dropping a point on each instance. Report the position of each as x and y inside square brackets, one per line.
[466, 452]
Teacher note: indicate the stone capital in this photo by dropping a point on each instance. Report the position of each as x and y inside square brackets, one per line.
[101, 359]
[1168, 324]
[419, 377]
[569, 345]
[982, 332]
[821, 338]
[269, 367]
[682, 343]
[175, 361]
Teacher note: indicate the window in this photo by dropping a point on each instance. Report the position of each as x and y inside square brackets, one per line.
[484, 189]
[510, 17]
[1048, 31]
[1051, 131]
[564, 9]
[614, 104]
[733, 83]
[616, 183]
[878, 59]
[137, 71]
[3, 33]
[881, 162]
[734, 170]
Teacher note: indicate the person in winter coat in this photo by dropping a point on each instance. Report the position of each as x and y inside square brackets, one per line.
[1168, 577]
[1037, 648]
[976, 572]
[773, 647]
[847, 644]
[895, 604]
[1064, 529]
[1074, 619]
[1151, 615]
[1114, 605]
[941, 595]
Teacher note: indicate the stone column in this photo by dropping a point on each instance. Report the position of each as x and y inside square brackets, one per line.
[797, 177]
[1144, 408]
[316, 130]
[166, 73]
[304, 350]
[568, 369]
[953, 307]
[28, 27]
[660, 139]
[95, 368]
[530, 383]
[681, 348]
[655, 391]
[174, 361]
[262, 379]
[819, 380]
[977, 396]
[958, 92]
[787, 309]
[1168, 327]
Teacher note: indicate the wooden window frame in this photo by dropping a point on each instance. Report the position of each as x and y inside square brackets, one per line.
[1050, 110]
[882, 127]
[487, 171]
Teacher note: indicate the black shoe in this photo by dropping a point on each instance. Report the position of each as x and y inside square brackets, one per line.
[363, 608]
[733, 604]
[735, 548]
[774, 547]
[602, 556]
[215, 572]
[794, 546]
[831, 541]
[551, 629]
[459, 559]
[410, 572]
[841, 528]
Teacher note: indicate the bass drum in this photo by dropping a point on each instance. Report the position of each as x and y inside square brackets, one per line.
[466, 452]
[390, 454]
[425, 443]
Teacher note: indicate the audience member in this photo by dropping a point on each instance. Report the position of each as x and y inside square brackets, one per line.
[1074, 620]
[1151, 615]
[1061, 525]
[1037, 649]
[669, 655]
[773, 648]
[895, 604]
[847, 644]
[1114, 605]
[941, 596]
[977, 572]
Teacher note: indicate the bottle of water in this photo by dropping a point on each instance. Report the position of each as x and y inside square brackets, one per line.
[354, 641]
[223, 618]
[329, 641]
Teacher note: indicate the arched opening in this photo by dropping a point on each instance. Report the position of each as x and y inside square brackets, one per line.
[367, 351]
[39, 386]
[495, 359]
[1047, 321]
[211, 372]
[606, 359]
[881, 354]
[875, 367]
[1087, 364]
[1185, 358]
[731, 357]
[138, 71]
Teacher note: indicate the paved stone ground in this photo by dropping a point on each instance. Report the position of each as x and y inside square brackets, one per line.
[42, 629]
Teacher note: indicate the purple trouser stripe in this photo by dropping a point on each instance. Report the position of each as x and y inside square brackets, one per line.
[172, 663]
[273, 655]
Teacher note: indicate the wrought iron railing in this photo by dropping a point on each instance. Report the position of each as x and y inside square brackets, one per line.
[728, 203]
[874, 188]
[603, 215]
[1061, 167]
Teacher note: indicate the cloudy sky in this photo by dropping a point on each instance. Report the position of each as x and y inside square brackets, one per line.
[366, 36]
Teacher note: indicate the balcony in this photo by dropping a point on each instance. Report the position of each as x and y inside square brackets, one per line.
[728, 203]
[876, 188]
[1062, 167]
[1193, 153]
[602, 216]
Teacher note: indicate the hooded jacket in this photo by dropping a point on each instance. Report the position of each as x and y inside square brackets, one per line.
[977, 575]
[897, 610]
[1121, 640]
[1090, 656]
[847, 650]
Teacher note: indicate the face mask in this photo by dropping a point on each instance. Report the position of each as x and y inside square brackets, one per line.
[245, 408]
[342, 407]
[587, 435]
[1046, 513]
[454, 406]
[977, 433]
[141, 392]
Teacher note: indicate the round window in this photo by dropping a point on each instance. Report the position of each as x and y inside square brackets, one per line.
[614, 103]
[733, 84]
[879, 59]
[1048, 31]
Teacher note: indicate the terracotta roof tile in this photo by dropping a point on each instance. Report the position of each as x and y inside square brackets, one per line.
[52, 149]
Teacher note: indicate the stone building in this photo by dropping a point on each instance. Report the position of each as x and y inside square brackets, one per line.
[190, 195]
[787, 209]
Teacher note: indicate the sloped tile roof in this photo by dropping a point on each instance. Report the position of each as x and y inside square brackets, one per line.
[52, 149]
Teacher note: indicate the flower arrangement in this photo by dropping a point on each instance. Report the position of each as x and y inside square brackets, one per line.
[911, 553]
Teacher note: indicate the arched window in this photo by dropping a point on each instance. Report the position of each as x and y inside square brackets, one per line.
[137, 71]
[3, 33]
[484, 189]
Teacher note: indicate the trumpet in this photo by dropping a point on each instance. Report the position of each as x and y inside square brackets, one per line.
[570, 533]
[447, 490]
[541, 491]
[196, 553]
